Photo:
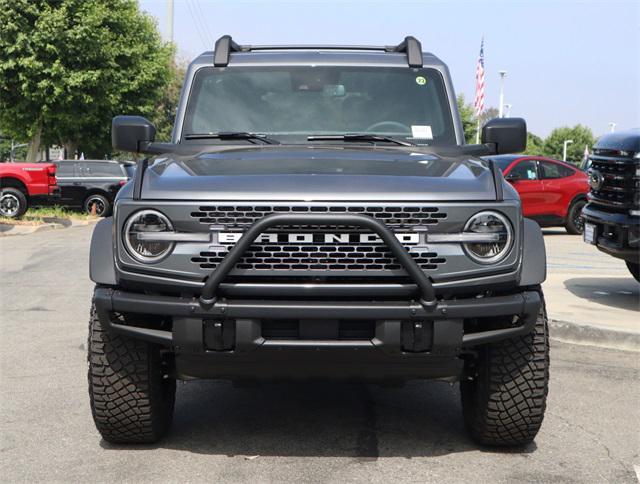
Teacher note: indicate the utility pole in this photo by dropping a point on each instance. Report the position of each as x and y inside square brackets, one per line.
[503, 74]
[170, 20]
[612, 127]
[564, 148]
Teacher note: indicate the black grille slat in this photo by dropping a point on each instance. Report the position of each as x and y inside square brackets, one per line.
[243, 216]
[619, 180]
[319, 257]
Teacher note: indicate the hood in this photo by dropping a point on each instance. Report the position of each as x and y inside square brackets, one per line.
[620, 141]
[318, 173]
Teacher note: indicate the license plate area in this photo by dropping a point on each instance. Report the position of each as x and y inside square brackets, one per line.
[590, 233]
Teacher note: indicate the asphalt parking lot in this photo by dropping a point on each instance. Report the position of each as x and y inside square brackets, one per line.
[320, 432]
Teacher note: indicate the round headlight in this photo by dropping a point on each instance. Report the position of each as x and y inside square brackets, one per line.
[497, 227]
[147, 222]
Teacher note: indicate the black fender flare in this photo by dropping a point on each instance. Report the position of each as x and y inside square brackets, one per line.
[101, 259]
[534, 255]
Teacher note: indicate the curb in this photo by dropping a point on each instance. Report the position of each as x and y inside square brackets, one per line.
[30, 229]
[53, 225]
[589, 335]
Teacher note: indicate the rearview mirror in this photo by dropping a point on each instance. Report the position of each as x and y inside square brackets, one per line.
[132, 133]
[509, 135]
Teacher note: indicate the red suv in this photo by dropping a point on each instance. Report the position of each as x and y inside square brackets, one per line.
[553, 193]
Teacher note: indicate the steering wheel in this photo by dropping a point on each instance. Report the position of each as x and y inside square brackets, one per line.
[393, 124]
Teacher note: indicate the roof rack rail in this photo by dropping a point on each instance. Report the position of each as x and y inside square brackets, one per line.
[225, 45]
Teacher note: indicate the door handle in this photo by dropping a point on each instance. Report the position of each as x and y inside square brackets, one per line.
[76, 184]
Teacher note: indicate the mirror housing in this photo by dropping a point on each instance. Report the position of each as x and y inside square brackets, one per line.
[132, 133]
[508, 135]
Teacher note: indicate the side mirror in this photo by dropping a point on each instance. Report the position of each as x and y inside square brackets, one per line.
[509, 135]
[513, 177]
[132, 133]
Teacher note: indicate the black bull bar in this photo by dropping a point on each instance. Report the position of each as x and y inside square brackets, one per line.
[210, 289]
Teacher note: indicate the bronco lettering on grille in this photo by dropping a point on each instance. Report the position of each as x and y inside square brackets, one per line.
[318, 238]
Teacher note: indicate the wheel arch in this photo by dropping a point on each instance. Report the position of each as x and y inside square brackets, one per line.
[101, 255]
[13, 182]
[534, 256]
[96, 191]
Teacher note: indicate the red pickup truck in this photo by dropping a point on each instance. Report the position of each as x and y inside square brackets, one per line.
[23, 183]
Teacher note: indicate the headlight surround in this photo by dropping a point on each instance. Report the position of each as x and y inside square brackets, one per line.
[489, 222]
[145, 250]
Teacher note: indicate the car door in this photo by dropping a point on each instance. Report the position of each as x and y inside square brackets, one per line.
[557, 183]
[104, 176]
[69, 180]
[525, 178]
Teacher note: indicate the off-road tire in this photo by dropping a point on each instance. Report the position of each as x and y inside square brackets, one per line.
[505, 390]
[131, 395]
[634, 268]
[18, 197]
[573, 227]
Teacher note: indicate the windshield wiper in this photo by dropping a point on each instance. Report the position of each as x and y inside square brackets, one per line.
[230, 135]
[373, 138]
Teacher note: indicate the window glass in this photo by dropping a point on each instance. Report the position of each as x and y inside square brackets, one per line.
[502, 162]
[64, 169]
[291, 102]
[525, 170]
[554, 170]
[130, 169]
[102, 170]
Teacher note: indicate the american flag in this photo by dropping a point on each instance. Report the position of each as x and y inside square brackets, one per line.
[479, 103]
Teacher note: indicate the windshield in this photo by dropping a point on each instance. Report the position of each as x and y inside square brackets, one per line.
[289, 103]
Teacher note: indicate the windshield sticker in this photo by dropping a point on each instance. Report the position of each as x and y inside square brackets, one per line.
[421, 80]
[422, 132]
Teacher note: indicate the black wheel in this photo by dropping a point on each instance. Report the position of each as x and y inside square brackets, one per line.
[131, 393]
[634, 268]
[505, 391]
[575, 221]
[97, 205]
[13, 203]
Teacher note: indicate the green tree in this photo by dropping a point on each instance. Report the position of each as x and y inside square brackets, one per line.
[68, 66]
[535, 145]
[488, 114]
[469, 121]
[581, 136]
[165, 110]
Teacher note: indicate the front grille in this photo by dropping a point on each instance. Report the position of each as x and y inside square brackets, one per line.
[338, 257]
[619, 180]
[242, 216]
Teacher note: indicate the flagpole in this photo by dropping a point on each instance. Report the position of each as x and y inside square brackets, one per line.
[479, 100]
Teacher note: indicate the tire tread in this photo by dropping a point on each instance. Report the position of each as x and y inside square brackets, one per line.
[505, 403]
[131, 400]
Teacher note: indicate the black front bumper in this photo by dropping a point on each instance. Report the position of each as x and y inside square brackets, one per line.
[226, 340]
[617, 233]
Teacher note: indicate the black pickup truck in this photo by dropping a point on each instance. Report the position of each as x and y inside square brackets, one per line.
[318, 215]
[612, 216]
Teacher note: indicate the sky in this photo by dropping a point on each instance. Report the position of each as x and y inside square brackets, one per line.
[567, 62]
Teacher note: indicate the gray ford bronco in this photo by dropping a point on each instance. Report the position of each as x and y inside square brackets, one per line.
[318, 215]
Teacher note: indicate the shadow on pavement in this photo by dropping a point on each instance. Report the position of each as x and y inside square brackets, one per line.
[556, 231]
[318, 419]
[617, 292]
